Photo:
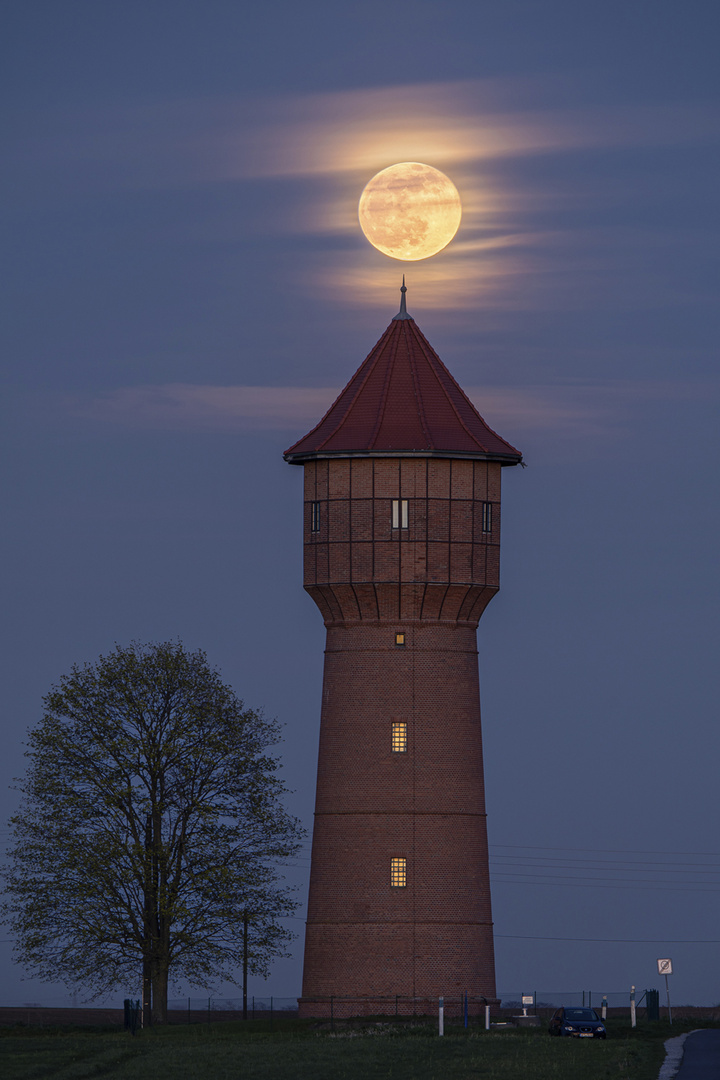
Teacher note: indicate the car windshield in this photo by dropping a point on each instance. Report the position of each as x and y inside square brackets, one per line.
[580, 1014]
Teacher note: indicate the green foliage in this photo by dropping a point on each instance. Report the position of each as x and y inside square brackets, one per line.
[151, 826]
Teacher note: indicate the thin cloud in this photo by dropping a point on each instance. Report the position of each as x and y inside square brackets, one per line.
[544, 270]
[334, 142]
[214, 140]
[578, 409]
[459, 281]
[445, 123]
[183, 406]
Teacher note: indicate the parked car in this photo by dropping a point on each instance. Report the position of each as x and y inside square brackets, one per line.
[581, 1023]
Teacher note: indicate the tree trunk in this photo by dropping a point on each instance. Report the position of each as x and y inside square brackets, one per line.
[148, 927]
[160, 971]
[146, 992]
[160, 992]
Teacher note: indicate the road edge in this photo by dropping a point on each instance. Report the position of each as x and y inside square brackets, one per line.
[674, 1049]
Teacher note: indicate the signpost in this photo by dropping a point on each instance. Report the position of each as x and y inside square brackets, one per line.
[665, 968]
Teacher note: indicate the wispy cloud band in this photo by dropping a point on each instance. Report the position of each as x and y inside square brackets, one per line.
[565, 408]
[332, 143]
[197, 141]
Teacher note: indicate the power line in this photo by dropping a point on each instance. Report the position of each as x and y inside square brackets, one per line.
[615, 863]
[593, 883]
[528, 867]
[568, 878]
[607, 851]
[618, 941]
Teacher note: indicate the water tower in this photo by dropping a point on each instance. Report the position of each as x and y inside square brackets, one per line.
[402, 555]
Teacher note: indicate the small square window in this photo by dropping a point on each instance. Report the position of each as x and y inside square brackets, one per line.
[399, 738]
[398, 873]
[399, 639]
[314, 517]
[487, 517]
[399, 513]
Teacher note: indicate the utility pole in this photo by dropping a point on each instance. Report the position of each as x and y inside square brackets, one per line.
[245, 963]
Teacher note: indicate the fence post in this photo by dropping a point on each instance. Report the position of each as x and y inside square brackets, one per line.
[441, 1016]
[332, 1017]
[396, 1005]
[188, 1010]
[209, 1000]
[466, 1009]
[271, 1011]
[633, 1020]
[604, 1007]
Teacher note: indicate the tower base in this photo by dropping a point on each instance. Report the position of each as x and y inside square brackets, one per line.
[347, 1008]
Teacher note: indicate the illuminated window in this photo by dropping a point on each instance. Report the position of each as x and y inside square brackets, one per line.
[399, 737]
[399, 513]
[398, 873]
[315, 517]
[487, 517]
[399, 639]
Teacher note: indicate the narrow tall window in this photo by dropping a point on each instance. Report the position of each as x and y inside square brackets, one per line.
[398, 873]
[399, 513]
[314, 517]
[399, 741]
[399, 639]
[487, 517]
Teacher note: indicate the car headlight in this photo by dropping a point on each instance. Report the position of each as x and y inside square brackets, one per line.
[568, 1027]
[600, 1028]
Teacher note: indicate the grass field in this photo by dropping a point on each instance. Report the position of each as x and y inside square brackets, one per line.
[300, 1050]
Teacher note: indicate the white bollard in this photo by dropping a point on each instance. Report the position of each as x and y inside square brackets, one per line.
[487, 1017]
[441, 1017]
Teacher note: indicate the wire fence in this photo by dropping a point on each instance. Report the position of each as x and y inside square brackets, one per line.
[554, 999]
[198, 1010]
[458, 1008]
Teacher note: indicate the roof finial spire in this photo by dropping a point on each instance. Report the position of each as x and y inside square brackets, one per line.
[402, 313]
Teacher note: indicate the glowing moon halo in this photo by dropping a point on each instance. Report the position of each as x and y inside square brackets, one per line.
[410, 211]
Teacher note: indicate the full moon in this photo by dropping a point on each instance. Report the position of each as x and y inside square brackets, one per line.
[410, 211]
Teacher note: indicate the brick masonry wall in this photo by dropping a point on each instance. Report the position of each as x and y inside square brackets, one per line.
[443, 566]
[426, 805]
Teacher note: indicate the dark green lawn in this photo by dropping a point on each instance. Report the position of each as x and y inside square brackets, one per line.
[298, 1050]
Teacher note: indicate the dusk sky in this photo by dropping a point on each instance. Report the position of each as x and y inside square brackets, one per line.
[186, 288]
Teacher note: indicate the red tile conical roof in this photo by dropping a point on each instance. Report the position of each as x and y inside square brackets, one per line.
[402, 401]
